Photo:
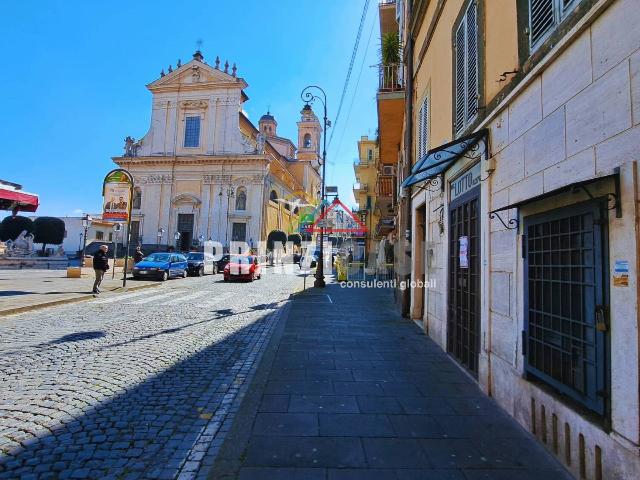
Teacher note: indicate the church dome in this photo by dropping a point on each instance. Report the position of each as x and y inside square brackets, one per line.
[267, 117]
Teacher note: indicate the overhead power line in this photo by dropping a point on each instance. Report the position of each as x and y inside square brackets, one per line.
[353, 57]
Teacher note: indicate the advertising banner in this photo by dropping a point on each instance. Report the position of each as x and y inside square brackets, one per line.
[116, 192]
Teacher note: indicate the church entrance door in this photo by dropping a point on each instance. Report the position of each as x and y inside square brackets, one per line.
[185, 227]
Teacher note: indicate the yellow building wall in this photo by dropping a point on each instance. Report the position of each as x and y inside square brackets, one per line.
[433, 73]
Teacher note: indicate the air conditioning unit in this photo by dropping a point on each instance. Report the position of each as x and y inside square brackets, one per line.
[388, 170]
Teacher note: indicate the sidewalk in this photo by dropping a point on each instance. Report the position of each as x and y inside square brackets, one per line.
[22, 290]
[349, 390]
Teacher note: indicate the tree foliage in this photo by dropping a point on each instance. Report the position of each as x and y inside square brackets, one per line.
[276, 236]
[390, 48]
[295, 238]
[48, 230]
[12, 227]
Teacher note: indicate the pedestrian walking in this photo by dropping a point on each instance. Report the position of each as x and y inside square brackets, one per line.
[138, 255]
[100, 266]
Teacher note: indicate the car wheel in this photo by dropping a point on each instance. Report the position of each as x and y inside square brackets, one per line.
[165, 276]
[201, 272]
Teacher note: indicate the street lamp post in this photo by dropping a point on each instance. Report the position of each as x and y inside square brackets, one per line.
[230, 195]
[86, 223]
[308, 96]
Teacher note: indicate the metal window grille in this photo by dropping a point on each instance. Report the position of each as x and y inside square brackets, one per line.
[466, 69]
[192, 132]
[545, 16]
[564, 295]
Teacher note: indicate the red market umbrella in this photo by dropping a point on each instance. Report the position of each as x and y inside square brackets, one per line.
[17, 200]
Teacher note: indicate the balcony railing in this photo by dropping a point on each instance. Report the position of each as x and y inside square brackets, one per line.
[391, 78]
[361, 186]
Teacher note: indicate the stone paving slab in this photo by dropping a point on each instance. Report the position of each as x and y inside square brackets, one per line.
[349, 390]
[22, 290]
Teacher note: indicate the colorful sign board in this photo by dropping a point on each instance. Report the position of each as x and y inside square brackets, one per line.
[117, 192]
[621, 273]
[465, 182]
[463, 254]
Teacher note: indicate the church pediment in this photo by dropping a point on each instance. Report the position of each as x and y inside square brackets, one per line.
[197, 75]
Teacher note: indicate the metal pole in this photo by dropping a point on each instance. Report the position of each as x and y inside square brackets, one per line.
[307, 96]
[84, 248]
[115, 254]
[126, 253]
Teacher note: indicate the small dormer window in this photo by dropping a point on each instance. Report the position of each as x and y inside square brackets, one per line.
[192, 132]
[307, 141]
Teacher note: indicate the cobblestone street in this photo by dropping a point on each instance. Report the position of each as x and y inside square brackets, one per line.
[139, 385]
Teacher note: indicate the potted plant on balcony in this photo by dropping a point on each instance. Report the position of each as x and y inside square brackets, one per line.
[391, 57]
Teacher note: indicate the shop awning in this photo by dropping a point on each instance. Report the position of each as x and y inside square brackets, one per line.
[438, 160]
[12, 198]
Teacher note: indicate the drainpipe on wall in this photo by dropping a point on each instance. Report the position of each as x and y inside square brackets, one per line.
[408, 155]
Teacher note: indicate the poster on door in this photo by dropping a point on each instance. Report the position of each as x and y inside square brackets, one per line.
[463, 256]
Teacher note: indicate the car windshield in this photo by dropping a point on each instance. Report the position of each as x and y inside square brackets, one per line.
[241, 260]
[195, 256]
[158, 257]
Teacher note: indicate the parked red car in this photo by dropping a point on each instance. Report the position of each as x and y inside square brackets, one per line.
[242, 267]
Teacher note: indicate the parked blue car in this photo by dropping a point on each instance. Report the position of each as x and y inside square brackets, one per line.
[161, 266]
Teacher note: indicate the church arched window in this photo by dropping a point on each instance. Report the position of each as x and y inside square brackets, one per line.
[273, 196]
[241, 199]
[137, 198]
[307, 140]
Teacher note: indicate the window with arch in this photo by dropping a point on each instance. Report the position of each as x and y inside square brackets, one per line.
[296, 211]
[273, 196]
[241, 199]
[137, 198]
[307, 140]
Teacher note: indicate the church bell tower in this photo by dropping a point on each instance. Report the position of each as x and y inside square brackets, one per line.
[309, 131]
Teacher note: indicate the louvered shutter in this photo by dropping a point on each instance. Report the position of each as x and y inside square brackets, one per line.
[425, 126]
[460, 78]
[541, 19]
[472, 61]
[419, 136]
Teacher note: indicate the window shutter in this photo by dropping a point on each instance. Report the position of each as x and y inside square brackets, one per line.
[424, 131]
[541, 19]
[460, 78]
[420, 127]
[472, 62]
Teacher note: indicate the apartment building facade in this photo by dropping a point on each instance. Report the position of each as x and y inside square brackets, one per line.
[517, 194]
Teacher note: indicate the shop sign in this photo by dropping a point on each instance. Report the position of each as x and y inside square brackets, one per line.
[465, 182]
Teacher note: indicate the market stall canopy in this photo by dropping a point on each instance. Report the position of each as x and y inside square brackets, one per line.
[438, 160]
[13, 198]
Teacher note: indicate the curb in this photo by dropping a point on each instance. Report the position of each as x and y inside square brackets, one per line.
[28, 308]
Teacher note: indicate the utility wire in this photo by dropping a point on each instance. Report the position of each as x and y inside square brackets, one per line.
[353, 57]
[355, 91]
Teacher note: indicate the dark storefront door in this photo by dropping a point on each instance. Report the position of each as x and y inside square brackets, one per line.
[185, 227]
[463, 326]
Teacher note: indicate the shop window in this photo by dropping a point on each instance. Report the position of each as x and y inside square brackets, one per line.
[466, 69]
[99, 235]
[565, 296]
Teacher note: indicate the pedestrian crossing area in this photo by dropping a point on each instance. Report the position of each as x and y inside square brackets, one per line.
[200, 298]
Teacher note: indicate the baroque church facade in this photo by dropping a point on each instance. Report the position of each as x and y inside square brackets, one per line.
[204, 171]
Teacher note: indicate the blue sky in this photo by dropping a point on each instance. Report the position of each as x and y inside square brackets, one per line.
[74, 79]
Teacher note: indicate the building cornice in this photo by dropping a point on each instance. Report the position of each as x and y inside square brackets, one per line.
[192, 160]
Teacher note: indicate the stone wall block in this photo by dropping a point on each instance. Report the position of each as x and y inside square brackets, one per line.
[577, 168]
[544, 144]
[567, 76]
[509, 166]
[527, 188]
[617, 150]
[615, 35]
[600, 111]
[526, 110]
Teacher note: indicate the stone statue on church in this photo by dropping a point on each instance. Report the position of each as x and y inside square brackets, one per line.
[260, 144]
[131, 147]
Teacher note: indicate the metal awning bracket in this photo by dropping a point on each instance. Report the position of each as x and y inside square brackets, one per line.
[511, 224]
